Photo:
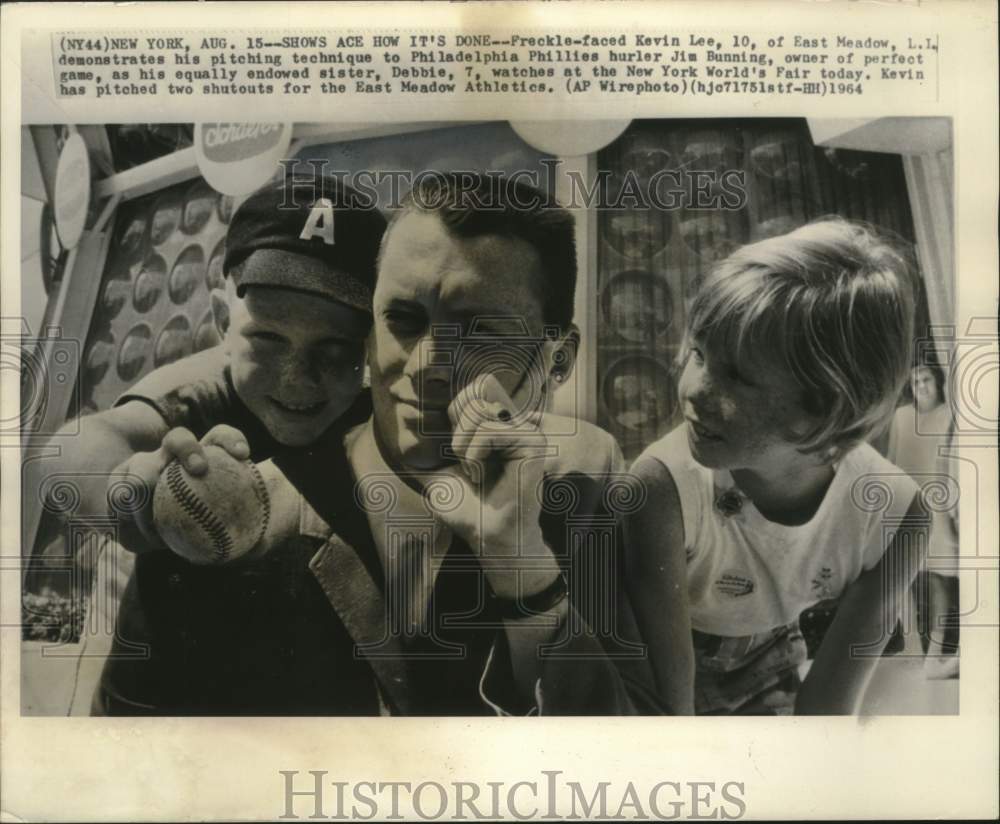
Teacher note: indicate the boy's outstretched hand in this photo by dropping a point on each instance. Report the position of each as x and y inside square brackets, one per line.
[134, 505]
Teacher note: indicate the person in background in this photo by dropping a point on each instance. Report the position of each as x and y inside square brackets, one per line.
[767, 499]
[919, 444]
[919, 428]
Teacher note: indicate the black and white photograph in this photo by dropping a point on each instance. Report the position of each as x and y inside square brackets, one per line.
[671, 422]
[305, 418]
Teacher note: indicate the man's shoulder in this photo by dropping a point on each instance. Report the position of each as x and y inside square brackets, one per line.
[581, 446]
[672, 451]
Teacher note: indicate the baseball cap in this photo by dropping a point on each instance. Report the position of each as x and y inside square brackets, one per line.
[318, 217]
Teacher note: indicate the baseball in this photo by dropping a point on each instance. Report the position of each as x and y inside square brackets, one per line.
[215, 518]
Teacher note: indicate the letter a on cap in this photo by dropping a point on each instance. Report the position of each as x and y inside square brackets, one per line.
[320, 222]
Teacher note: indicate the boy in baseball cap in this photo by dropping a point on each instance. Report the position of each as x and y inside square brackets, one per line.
[293, 316]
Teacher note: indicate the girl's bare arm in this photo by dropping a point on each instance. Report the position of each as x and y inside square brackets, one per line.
[865, 620]
[657, 584]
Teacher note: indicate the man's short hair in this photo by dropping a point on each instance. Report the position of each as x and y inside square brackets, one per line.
[834, 304]
[473, 205]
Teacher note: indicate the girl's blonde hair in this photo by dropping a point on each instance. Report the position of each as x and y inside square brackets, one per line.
[834, 304]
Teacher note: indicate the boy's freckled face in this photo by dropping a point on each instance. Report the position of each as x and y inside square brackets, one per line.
[296, 359]
[740, 418]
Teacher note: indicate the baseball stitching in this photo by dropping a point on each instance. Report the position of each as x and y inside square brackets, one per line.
[260, 488]
[199, 512]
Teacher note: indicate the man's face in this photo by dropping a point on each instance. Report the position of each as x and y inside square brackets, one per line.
[429, 280]
[296, 358]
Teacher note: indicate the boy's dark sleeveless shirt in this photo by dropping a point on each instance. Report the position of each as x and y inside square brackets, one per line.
[242, 639]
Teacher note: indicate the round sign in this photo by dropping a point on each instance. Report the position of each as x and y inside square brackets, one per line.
[238, 158]
[72, 192]
[569, 138]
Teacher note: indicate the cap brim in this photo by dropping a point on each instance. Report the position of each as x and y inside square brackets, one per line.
[301, 273]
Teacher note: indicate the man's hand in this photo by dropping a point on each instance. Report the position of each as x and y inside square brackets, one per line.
[143, 470]
[491, 499]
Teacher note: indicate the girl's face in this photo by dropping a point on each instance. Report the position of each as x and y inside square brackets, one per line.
[925, 392]
[740, 418]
